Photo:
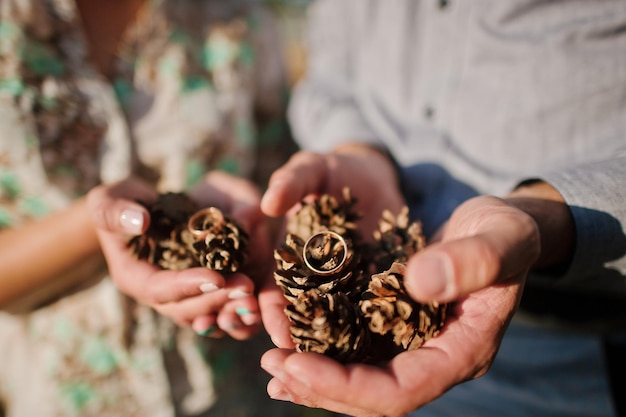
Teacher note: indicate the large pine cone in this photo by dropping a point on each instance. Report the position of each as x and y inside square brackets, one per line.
[328, 324]
[294, 276]
[389, 309]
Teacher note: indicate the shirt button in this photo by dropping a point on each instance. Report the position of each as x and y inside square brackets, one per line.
[429, 112]
[443, 4]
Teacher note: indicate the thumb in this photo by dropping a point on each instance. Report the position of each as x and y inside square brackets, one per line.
[305, 173]
[500, 247]
[117, 214]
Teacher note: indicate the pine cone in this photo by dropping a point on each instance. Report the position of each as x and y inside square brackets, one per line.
[222, 244]
[294, 276]
[396, 239]
[217, 242]
[329, 324]
[163, 243]
[388, 309]
[326, 213]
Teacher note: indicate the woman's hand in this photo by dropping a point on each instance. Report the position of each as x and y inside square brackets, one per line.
[208, 301]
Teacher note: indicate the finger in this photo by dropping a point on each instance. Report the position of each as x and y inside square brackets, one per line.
[272, 304]
[246, 310]
[162, 287]
[207, 326]
[148, 283]
[303, 390]
[185, 310]
[240, 318]
[504, 245]
[115, 208]
[305, 173]
[279, 391]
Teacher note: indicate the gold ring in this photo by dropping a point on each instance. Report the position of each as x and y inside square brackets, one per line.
[205, 221]
[325, 252]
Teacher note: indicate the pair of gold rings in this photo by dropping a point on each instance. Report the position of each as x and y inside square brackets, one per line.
[205, 221]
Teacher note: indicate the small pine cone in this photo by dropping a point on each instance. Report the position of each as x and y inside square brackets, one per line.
[162, 243]
[326, 213]
[294, 276]
[329, 324]
[388, 309]
[176, 253]
[222, 245]
[396, 239]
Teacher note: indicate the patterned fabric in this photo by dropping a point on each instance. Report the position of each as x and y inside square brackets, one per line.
[182, 100]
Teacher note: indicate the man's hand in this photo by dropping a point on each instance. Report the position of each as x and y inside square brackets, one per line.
[480, 263]
[368, 173]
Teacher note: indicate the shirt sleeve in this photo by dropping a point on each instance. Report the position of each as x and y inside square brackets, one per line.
[596, 195]
[323, 112]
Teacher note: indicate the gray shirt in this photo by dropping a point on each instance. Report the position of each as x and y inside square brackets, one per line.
[472, 97]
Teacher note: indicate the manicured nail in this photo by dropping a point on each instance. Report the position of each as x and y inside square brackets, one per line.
[246, 316]
[132, 221]
[207, 287]
[242, 311]
[238, 293]
[206, 332]
[232, 325]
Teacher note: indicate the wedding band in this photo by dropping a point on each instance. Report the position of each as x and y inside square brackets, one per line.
[204, 221]
[325, 252]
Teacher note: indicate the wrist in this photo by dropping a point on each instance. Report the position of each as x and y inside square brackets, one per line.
[371, 156]
[548, 209]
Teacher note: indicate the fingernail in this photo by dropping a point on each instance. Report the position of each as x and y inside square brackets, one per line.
[238, 293]
[207, 331]
[246, 316]
[207, 287]
[280, 396]
[231, 325]
[242, 311]
[132, 221]
[272, 190]
[436, 275]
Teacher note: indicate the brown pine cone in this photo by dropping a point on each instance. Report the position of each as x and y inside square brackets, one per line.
[163, 242]
[219, 243]
[389, 309]
[213, 241]
[328, 324]
[294, 276]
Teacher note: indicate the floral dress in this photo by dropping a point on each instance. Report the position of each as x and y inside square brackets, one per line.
[182, 100]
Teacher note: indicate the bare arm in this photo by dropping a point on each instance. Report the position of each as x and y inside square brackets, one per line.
[44, 253]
